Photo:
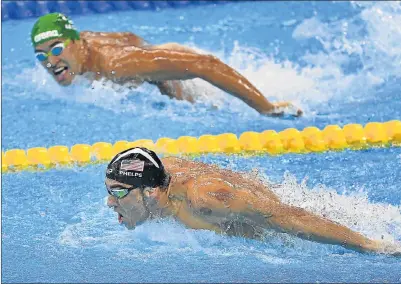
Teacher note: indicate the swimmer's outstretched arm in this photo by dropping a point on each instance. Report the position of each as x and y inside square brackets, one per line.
[162, 65]
[306, 225]
[272, 214]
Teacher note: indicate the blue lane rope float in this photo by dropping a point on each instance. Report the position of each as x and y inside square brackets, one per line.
[15, 10]
[291, 140]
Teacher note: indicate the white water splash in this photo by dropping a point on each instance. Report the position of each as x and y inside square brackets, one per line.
[100, 229]
[372, 38]
[354, 210]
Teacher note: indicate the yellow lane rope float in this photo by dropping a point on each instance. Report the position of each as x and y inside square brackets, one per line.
[291, 140]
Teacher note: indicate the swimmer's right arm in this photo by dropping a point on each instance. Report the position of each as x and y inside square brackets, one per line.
[162, 65]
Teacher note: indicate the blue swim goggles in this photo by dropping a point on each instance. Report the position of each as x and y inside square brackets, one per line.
[55, 51]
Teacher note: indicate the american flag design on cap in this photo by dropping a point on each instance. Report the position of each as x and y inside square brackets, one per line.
[132, 165]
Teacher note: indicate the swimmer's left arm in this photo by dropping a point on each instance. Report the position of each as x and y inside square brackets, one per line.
[218, 195]
[309, 226]
[162, 65]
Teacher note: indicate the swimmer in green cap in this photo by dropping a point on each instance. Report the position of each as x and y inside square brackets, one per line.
[125, 57]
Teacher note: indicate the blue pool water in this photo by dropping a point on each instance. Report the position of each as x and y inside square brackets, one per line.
[338, 61]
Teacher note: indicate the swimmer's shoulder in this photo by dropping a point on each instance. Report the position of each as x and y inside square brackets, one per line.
[87, 34]
[119, 39]
[173, 162]
[169, 161]
[184, 172]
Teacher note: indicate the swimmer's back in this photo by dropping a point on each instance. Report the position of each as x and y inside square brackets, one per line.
[115, 39]
[185, 170]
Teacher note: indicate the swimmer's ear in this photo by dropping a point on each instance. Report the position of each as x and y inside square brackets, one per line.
[149, 192]
[146, 192]
[150, 196]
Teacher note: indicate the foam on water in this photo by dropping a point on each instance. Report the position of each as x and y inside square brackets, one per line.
[353, 209]
[358, 53]
[150, 240]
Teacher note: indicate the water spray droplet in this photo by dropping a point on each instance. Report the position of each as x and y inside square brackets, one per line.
[48, 65]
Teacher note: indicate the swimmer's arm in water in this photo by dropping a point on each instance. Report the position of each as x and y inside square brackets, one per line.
[172, 89]
[162, 65]
[306, 225]
[222, 198]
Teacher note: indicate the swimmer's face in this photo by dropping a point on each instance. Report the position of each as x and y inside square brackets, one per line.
[131, 208]
[62, 67]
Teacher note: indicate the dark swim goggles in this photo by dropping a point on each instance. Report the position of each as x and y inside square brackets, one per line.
[55, 51]
[119, 192]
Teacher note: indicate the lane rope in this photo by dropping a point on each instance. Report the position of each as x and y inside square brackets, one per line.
[291, 140]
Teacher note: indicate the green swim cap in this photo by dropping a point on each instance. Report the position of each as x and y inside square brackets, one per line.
[52, 26]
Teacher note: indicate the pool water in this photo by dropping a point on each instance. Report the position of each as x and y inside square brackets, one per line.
[339, 61]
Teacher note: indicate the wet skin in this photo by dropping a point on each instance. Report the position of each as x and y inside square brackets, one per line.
[202, 196]
[124, 57]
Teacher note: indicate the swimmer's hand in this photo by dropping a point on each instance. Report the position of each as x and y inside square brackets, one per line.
[393, 249]
[389, 248]
[282, 108]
